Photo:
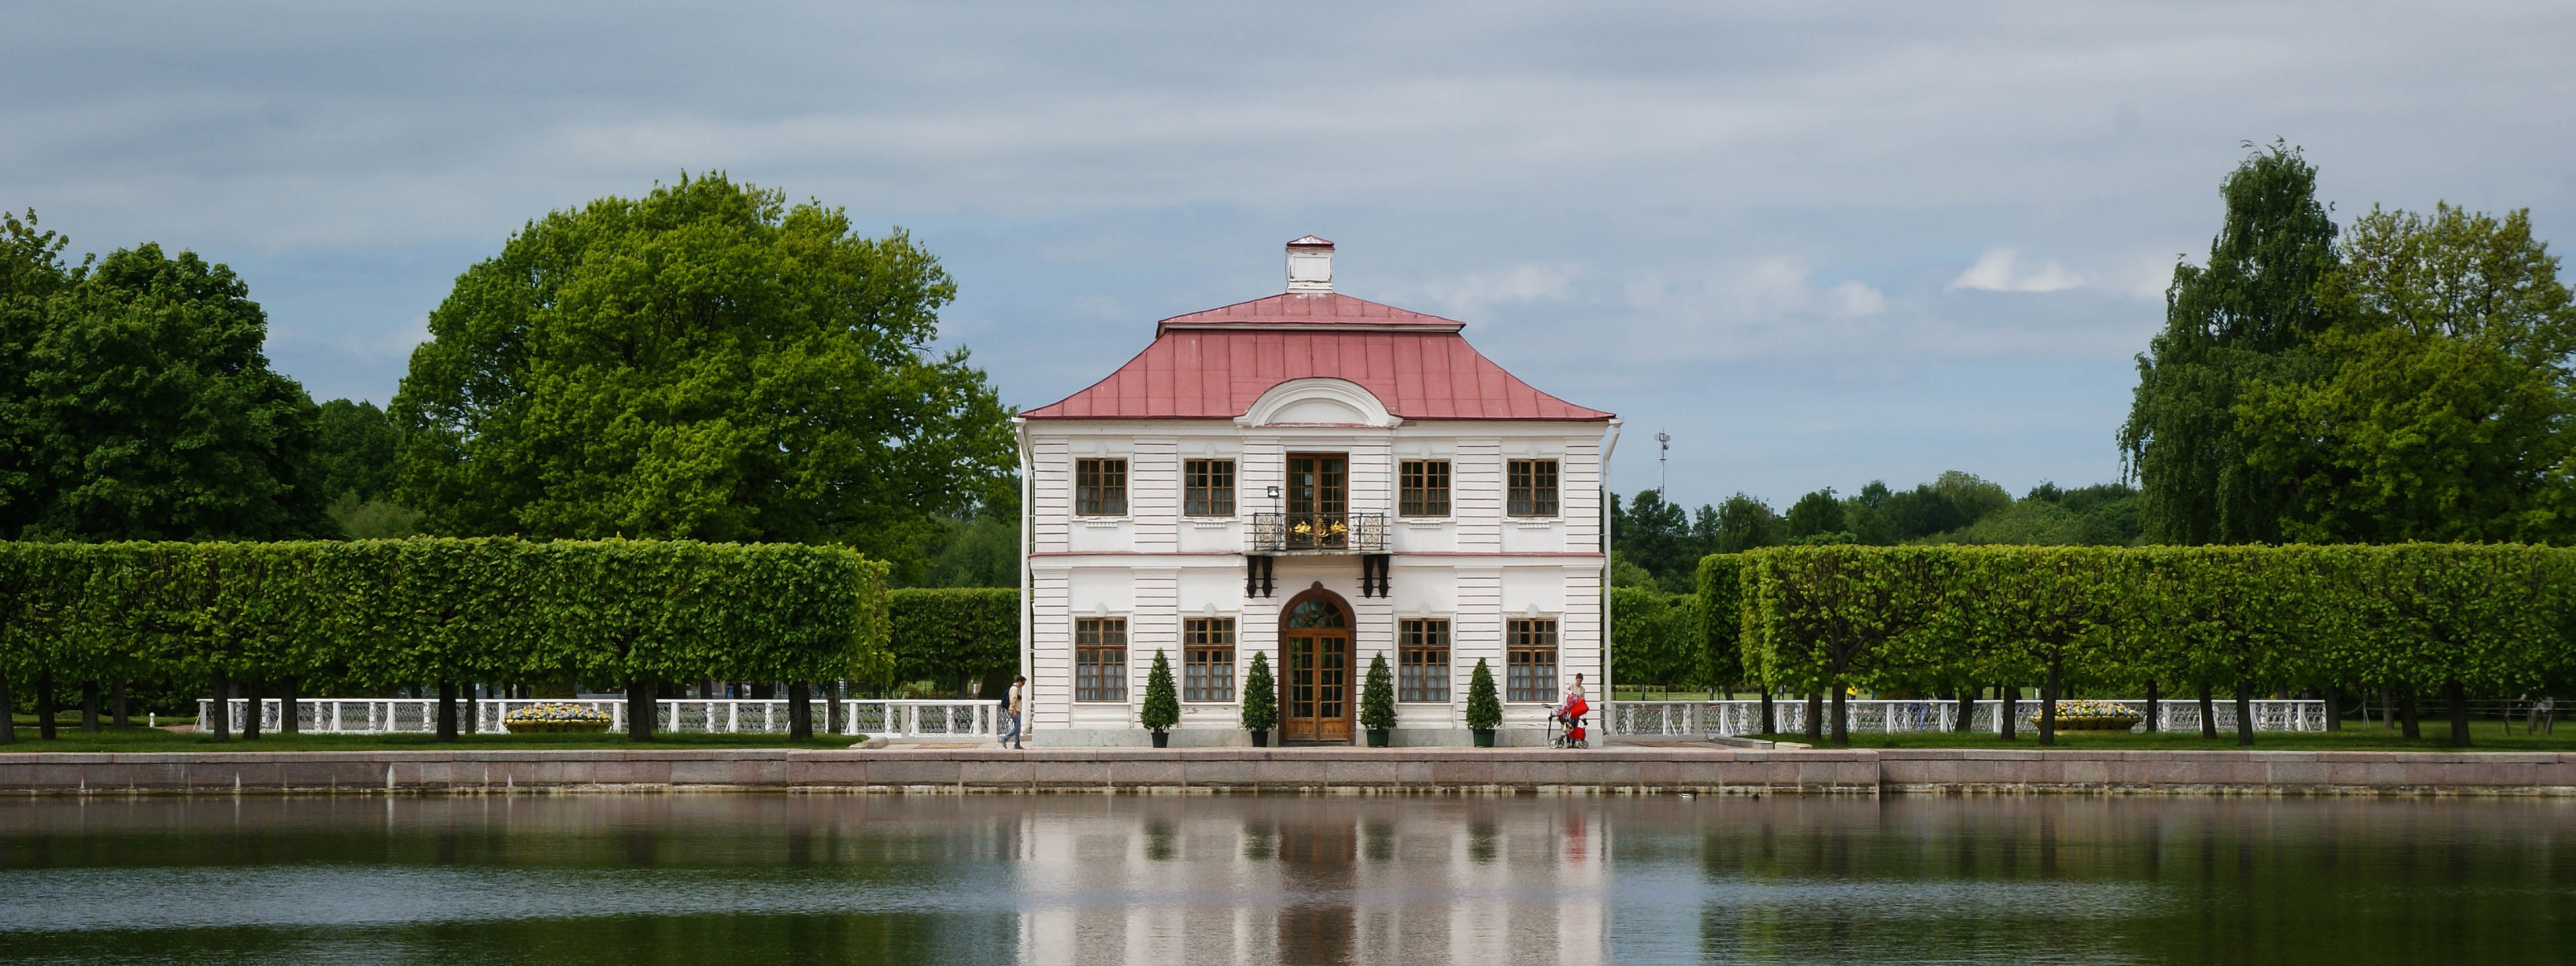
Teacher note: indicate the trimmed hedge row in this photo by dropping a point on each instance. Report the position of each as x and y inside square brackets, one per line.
[2463, 618]
[398, 613]
[957, 634]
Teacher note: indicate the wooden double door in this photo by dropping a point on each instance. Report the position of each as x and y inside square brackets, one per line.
[1315, 651]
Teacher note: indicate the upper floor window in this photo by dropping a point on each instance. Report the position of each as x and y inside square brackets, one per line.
[1099, 487]
[1423, 488]
[1532, 488]
[1207, 488]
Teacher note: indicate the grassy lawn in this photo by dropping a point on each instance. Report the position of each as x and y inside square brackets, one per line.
[2355, 736]
[139, 738]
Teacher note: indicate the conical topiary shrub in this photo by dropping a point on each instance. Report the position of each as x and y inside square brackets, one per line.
[1260, 699]
[1377, 701]
[1162, 701]
[1484, 708]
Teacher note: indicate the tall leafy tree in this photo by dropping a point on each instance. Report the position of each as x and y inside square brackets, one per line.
[703, 362]
[1814, 514]
[353, 449]
[2443, 407]
[140, 404]
[1745, 522]
[2246, 315]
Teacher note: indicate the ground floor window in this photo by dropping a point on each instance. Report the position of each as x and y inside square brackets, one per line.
[1530, 652]
[1422, 653]
[1207, 659]
[1100, 659]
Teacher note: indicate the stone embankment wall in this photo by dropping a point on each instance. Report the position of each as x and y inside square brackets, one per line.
[1614, 770]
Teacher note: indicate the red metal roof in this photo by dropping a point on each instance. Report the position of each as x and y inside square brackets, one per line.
[1214, 364]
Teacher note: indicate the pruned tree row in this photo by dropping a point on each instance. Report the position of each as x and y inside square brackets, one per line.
[280, 618]
[2208, 621]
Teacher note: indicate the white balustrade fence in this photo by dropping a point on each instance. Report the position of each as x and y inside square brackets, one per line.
[374, 716]
[1745, 717]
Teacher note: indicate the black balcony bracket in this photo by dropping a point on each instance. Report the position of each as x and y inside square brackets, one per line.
[1260, 577]
[1375, 570]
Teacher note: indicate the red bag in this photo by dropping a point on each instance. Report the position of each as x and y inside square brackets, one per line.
[1575, 708]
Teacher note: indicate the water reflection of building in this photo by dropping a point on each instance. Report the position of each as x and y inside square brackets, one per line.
[1314, 881]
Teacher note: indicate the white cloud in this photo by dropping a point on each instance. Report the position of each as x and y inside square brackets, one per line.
[2001, 270]
[1854, 300]
[1459, 296]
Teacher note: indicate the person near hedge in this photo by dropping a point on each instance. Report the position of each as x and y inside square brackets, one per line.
[1012, 737]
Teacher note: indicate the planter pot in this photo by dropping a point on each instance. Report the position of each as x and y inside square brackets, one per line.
[1261, 737]
[1484, 737]
[1377, 737]
[1162, 739]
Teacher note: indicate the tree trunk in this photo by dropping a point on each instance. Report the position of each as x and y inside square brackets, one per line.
[640, 709]
[832, 709]
[219, 712]
[2407, 726]
[1842, 720]
[1967, 709]
[251, 709]
[45, 705]
[116, 703]
[8, 714]
[2244, 713]
[800, 711]
[1815, 717]
[473, 709]
[447, 711]
[290, 707]
[2208, 714]
[2005, 714]
[2334, 708]
[2155, 703]
[89, 707]
[1770, 718]
[2458, 698]
[2048, 708]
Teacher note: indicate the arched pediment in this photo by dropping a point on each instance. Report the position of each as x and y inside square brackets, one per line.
[1318, 401]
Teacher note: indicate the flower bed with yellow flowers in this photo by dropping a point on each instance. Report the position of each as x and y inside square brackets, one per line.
[555, 718]
[2092, 716]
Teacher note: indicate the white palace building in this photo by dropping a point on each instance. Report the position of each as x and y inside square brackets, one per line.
[1322, 479]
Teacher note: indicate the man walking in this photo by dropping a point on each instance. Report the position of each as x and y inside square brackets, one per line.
[1011, 738]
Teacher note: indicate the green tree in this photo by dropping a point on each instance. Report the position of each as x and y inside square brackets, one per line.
[1744, 522]
[1260, 695]
[2247, 315]
[2443, 410]
[353, 466]
[1484, 707]
[704, 362]
[1656, 536]
[1162, 701]
[1377, 695]
[143, 405]
[1816, 513]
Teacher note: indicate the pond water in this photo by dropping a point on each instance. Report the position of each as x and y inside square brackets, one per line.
[723, 879]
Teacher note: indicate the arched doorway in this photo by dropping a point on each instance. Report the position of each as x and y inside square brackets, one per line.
[1315, 655]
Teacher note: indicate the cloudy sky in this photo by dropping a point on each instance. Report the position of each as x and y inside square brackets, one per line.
[1816, 243]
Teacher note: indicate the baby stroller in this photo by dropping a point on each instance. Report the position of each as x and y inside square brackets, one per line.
[1571, 716]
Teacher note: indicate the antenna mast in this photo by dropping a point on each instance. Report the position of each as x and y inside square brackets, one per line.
[1663, 466]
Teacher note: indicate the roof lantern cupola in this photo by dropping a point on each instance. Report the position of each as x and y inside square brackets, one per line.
[1310, 266]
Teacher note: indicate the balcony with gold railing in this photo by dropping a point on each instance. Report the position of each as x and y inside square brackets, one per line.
[1318, 533]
